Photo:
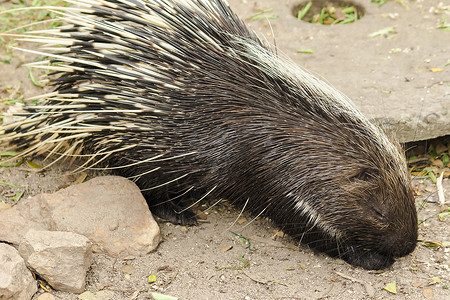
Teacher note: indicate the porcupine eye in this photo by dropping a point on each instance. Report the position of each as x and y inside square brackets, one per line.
[377, 212]
[367, 177]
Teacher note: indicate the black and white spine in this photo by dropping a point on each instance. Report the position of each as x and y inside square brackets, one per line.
[180, 97]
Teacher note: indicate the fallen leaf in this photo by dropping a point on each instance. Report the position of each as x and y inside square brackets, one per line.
[44, 286]
[436, 69]
[434, 280]
[152, 278]
[432, 176]
[158, 296]
[8, 153]
[165, 268]
[301, 13]
[241, 221]
[278, 233]
[4, 206]
[442, 215]
[11, 185]
[416, 284]
[306, 51]
[128, 269]
[432, 244]
[382, 31]
[81, 178]
[391, 287]
[438, 163]
[225, 248]
[441, 148]
[33, 165]
[445, 159]
[418, 190]
[427, 293]
[201, 215]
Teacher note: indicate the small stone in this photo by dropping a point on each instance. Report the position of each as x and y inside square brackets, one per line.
[428, 293]
[61, 258]
[4, 206]
[46, 296]
[241, 221]
[226, 248]
[128, 269]
[16, 281]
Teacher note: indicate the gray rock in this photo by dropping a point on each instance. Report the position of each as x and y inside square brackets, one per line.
[110, 211]
[61, 258]
[16, 281]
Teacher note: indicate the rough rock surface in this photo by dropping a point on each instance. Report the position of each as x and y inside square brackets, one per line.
[110, 211]
[61, 258]
[16, 281]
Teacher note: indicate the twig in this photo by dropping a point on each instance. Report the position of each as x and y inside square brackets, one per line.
[440, 189]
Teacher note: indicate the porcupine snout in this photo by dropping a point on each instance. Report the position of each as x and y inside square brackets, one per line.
[402, 238]
[403, 225]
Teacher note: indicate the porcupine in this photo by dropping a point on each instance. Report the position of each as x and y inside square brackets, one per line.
[182, 98]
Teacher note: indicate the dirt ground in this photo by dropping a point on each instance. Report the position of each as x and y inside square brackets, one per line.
[209, 261]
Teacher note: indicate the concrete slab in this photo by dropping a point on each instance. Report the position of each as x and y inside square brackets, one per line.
[387, 77]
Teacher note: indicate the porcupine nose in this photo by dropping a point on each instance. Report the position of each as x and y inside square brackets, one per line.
[405, 247]
[402, 241]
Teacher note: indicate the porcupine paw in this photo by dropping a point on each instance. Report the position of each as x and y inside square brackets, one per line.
[175, 214]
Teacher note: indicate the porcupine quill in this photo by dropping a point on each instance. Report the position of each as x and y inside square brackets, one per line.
[183, 99]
